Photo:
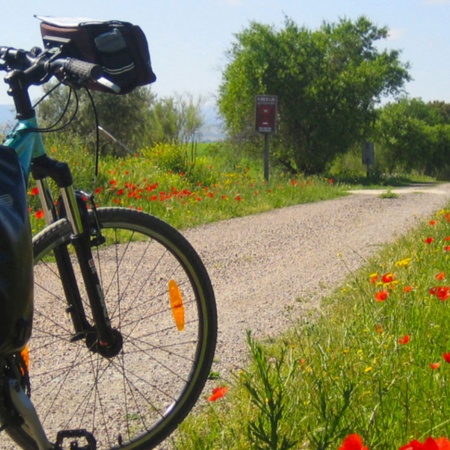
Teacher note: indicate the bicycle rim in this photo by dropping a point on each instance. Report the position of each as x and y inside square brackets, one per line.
[159, 297]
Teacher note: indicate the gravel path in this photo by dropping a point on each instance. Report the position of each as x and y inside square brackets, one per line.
[262, 265]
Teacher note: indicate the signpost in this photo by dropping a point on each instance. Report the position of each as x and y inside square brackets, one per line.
[368, 155]
[265, 123]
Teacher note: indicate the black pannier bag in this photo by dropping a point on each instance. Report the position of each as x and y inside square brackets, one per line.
[16, 256]
[121, 49]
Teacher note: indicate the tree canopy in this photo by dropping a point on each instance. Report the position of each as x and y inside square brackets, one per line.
[136, 120]
[415, 136]
[328, 83]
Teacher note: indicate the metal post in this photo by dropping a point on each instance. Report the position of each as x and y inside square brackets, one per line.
[266, 156]
[368, 156]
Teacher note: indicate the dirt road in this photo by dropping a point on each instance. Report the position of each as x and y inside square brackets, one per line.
[270, 268]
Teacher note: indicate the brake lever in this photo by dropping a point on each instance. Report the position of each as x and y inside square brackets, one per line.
[108, 84]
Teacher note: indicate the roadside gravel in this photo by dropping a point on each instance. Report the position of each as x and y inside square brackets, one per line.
[272, 268]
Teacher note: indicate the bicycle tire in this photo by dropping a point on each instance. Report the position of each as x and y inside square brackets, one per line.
[136, 399]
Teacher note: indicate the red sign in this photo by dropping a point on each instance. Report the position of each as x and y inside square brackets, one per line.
[266, 113]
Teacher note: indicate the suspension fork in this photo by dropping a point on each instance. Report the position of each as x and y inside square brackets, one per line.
[80, 239]
[71, 291]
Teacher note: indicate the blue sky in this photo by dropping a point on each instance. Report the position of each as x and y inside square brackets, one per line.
[188, 38]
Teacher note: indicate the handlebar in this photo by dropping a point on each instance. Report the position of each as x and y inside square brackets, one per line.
[37, 67]
[77, 68]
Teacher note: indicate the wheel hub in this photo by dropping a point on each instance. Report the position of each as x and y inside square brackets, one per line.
[108, 350]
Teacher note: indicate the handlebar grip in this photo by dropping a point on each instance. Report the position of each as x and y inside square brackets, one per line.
[83, 69]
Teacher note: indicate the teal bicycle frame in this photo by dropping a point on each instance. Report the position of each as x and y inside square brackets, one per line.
[27, 144]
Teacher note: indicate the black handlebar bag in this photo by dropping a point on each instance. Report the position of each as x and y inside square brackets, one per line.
[16, 256]
[120, 48]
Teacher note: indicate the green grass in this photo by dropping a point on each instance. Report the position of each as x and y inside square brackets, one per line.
[388, 194]
[374, 362]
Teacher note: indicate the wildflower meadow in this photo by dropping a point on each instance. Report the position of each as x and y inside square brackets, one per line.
[184, 190]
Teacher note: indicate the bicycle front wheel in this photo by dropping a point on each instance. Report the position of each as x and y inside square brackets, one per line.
[159, 297]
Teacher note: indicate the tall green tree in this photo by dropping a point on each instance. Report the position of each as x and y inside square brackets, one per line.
[414, 135]
[328, 83]
[176, 119]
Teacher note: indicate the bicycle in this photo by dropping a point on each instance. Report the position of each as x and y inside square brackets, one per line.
[124, 317]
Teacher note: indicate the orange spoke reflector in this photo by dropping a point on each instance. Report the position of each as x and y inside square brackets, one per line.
[176, 304]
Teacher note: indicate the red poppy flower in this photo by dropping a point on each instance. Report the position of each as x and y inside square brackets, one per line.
[404, 340]
[446, 357]
[381, 296]
[440, 276]
[435, 365]
[34, 191]
[39, 214]
[407, 289]
[447, 248]
[442, 443]
[353, 442]
[432, 222]
[217, 393]
[388, 277]
[429, 240]
[413, 445]
[441, 292]
[429, 444]
[373, 278]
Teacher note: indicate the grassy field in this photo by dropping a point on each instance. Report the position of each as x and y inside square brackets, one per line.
[375, 365]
